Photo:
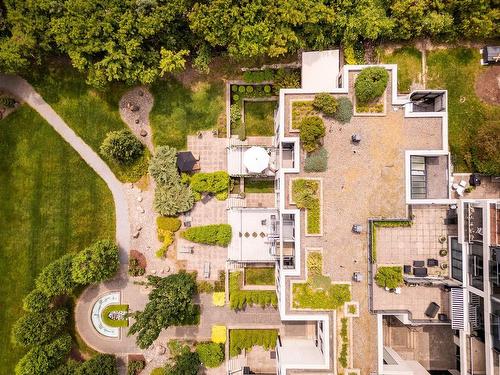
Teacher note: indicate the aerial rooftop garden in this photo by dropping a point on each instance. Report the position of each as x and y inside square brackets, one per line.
[318, 292]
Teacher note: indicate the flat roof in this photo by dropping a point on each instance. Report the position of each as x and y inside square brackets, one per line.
[320, 70]
[251, 228]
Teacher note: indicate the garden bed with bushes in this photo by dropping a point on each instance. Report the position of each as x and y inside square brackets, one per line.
[166, 226]
[318, 292]
[216, 183]
[239, 298]
[300, 109]
[245, 339]
[390, 277]
[306, 193]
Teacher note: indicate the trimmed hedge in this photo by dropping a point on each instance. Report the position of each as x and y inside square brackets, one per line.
[344, 110]
[122, 146]
[168, 223]
[238, 298]
[258, 76]
[215, 182]
[312, 129]
[345, 343]
[211, 354]
[325, 103]
[370, 84]
[240, 339]
[214, 234]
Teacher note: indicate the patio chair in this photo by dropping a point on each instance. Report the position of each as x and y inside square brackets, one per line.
[418, 263]
[206, 270]
[462, 183]
[186, 249]
[432, 310]
[460, 191]
[419, 271]
[432, 263]
[263, 222]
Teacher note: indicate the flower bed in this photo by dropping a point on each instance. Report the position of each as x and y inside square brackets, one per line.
[119, 311]
[306, 193]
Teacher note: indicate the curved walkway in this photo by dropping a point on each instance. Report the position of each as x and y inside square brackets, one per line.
[24, 91]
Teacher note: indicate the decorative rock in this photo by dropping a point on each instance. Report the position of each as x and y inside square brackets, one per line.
[135, 108]
[139, 199]
[141, 93]
[153, 272]
[140, 209]
[160, 350]
[143, 133]
[137, 121]
[167, 269]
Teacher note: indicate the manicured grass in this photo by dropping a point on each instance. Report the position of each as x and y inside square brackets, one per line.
[318, 292]
[259, 118]
[259, 276]
[307, 297]
[179, 111]
[114, 323]
[409, 60]
[51, 203]
[90, 113]
[259, 185]
[456, 70]
[301, 110]
[239, 299]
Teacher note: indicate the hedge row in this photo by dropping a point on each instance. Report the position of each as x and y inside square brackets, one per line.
[238, 298]
[214, 234]
[240, 339]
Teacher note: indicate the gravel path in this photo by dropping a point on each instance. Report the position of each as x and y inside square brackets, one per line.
[24, 91]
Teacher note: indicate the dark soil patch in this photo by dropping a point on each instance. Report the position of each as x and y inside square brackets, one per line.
[140, 258]
[487, 85]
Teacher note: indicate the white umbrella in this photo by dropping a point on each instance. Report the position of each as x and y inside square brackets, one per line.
[256, 159]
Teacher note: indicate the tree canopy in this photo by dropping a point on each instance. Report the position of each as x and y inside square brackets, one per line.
[38, 328]
[138, 41]
[96, 263]
[170, 303]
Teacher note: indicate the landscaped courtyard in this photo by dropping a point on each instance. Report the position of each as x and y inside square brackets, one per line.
[51, 203]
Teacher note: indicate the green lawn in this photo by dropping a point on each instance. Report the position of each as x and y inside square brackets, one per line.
[179, 111]
[51, 203]
[259, 118]
[456, 70]
[90, 113]
[259, 275]
[259, 185]
[409, 60]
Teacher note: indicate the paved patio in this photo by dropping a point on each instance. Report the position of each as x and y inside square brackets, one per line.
[431, 346]
[210, 149]
[403, 245]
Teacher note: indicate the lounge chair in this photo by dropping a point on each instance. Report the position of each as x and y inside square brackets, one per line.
[420, 271]
[432, 263]
[432, 310]
[418, 263]
[206, 270]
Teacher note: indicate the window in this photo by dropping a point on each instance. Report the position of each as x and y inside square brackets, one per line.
[476, 266]
[456, 259]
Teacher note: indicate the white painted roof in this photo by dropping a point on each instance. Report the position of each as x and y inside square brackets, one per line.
[320, 70]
